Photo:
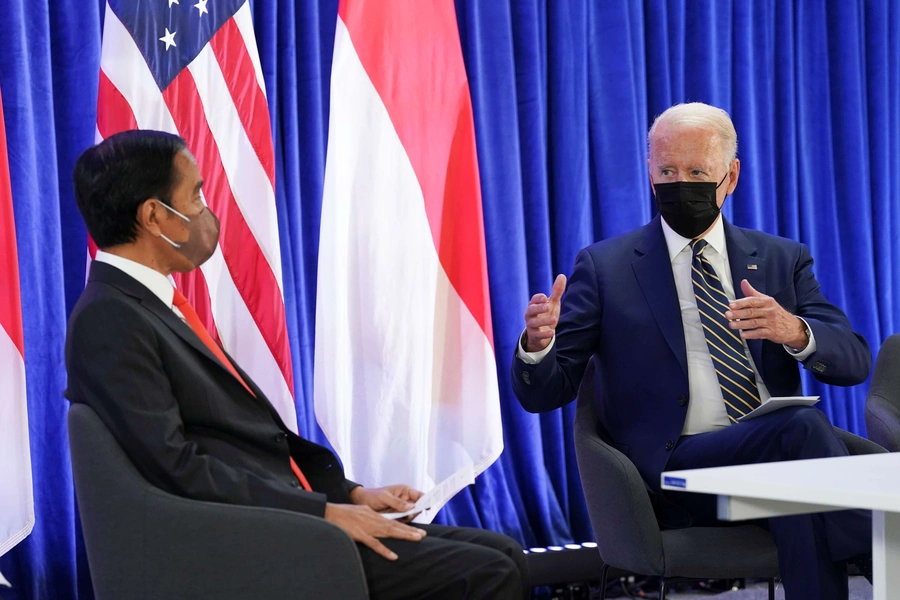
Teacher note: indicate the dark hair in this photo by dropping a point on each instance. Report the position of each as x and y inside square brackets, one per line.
[113, 178]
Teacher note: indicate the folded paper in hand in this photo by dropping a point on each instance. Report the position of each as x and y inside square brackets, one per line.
[779, 402]
[439, 494]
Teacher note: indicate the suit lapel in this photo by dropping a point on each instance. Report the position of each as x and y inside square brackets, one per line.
[258, 393]
[184, 331]
[653, 270]
[746, 264]
[180, 328]
[130, 286]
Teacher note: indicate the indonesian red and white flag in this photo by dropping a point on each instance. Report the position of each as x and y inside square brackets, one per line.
[16, 497]
[405, 374]
[193, 69]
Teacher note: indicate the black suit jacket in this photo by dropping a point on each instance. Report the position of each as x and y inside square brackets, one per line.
[187, 424]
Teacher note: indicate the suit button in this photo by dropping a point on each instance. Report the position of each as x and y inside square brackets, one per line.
[670, 444]
[682, 400]
[280, 437]
[295, 483]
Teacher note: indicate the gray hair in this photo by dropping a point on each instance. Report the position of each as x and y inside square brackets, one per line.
[703, 116]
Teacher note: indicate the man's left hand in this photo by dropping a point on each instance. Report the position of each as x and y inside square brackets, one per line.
[760, 317]
[393, 498]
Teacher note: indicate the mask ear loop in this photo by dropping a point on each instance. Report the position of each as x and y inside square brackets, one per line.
[162, 235]
[717, 187]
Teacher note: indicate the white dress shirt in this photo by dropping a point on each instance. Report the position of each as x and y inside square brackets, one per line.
[706, 409]
[160, 285]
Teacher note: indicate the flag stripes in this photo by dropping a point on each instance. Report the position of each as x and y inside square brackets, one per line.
[16, 493]
[218, 104]
[405, 375]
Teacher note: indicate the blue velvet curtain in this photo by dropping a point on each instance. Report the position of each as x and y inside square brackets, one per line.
[564, 92]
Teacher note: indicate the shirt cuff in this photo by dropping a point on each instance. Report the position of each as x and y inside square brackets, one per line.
[810, 347]
[532, 358]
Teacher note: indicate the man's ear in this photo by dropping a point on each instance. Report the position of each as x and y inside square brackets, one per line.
[650, 178]
[733, 175]
[149, 215]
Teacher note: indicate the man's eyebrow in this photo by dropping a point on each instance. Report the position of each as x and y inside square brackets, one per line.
[198, 186]
[704, 168]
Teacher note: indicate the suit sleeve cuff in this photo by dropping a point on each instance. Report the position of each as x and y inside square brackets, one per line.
[810, 347]
[532, 358]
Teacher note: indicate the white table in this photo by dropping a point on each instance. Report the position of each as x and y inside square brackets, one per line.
[869, 482]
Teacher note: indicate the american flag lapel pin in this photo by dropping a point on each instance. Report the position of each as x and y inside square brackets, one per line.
[752, 267]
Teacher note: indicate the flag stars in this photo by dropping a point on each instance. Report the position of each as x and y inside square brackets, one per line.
[169, 38]
[171, 2]
[201, 6]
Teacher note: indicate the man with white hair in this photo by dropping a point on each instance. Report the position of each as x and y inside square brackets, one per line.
[692, 323]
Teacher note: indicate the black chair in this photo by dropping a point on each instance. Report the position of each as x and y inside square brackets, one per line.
[883, 401]
[625, 526]
[143, 543]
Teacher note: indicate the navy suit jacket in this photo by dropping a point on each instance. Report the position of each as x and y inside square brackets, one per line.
[621, 307]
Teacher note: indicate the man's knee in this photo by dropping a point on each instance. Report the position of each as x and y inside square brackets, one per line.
[806, 420]
[498, 575]
[510, 548]
[501, 565]
[807, 433]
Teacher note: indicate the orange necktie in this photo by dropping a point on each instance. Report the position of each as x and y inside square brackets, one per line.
[190, 315]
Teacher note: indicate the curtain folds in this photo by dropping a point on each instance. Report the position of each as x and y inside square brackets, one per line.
[563, 94]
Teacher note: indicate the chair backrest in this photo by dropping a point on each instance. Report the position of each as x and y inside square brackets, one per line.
[883, 401]
[143, 542]
[109, 491]
[622, 517]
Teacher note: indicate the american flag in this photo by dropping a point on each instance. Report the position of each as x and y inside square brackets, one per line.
[192, 68]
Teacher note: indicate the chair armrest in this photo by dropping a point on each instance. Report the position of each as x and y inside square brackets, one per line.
[858, 445]
[883, 422]
[622, 517]
[281, 554]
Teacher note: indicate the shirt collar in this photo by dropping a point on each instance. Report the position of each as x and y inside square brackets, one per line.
[160, 285]
[677, 243]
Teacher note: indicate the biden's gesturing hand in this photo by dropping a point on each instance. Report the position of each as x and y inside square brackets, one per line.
[760, 317]
[542, 315]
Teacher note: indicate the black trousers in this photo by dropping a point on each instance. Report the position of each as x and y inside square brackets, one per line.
[812, 549]
[449, 563]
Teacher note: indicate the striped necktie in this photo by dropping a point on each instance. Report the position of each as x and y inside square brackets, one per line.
[736, 377]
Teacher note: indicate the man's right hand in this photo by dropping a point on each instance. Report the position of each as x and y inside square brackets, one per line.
[542, 315]
[365, 526]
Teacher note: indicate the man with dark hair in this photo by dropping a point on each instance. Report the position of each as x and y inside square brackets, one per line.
[197, 425]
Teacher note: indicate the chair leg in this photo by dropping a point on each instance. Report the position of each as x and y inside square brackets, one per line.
[604, 575]
[663, 586]
[772, 589]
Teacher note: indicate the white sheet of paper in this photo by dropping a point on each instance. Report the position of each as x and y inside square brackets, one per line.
[439, 494]
[778, 402]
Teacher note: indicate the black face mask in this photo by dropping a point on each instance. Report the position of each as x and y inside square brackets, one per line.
[689, 207]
